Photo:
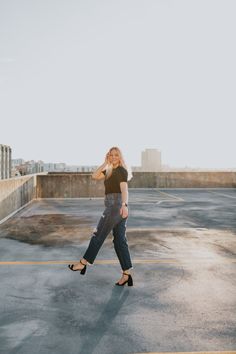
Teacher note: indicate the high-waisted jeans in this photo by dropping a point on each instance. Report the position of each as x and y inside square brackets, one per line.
[111, 220]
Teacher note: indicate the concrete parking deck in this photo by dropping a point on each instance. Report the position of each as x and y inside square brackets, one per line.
[183, 247]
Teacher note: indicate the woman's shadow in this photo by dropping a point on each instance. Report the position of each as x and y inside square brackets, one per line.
[103, 323]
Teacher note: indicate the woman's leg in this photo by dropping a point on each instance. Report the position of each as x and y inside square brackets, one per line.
[108, 220]
[121, 245]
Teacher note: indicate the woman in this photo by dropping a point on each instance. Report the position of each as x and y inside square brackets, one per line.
[114, 217]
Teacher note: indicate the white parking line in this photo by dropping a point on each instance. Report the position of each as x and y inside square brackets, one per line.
[224, 195]
[172, 197]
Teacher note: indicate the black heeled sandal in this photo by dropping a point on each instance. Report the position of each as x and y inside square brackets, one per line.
[82, 271]
[129, 280]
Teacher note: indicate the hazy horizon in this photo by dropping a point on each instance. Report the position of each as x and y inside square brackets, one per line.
[79, 77]
[164, 165]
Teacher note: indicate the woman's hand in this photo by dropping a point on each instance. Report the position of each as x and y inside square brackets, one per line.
[124, 211]
[107, 158]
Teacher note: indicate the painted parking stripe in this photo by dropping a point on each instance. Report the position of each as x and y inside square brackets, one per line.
[110, 261]
[224, 195]
[205, 352]
[172, 196]
[135, 261]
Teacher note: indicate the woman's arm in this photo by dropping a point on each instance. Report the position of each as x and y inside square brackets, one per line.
[124, 197]
[98, 173]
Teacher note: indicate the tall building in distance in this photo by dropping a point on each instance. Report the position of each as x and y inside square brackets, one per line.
[151, 160]
[5, 161]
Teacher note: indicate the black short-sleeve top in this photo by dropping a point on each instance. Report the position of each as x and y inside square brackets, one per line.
[112, 184]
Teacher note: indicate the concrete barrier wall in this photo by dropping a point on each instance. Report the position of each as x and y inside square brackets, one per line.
[183, 180]
[15, 193]
[69, 185]
[76, 185]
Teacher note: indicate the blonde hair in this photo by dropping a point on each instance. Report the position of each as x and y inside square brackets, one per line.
[121, 163]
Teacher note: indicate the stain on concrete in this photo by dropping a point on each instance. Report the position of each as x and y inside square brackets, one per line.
[47, 229]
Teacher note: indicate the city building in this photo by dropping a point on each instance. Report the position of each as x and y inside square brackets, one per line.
[151, 160]
[5, 161]
[80, 168]
[17, 162]
[54, 167]
[29, 167]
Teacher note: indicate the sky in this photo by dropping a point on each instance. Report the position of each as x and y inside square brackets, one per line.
[80, 76]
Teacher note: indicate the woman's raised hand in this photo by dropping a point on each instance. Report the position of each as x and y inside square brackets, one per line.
[107, 158]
